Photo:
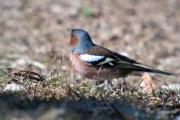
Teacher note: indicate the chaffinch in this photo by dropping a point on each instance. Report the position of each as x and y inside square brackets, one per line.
[96, 62]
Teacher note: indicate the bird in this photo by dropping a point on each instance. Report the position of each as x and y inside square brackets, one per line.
[96, 62]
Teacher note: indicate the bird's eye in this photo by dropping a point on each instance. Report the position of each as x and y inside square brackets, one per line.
[72, 33]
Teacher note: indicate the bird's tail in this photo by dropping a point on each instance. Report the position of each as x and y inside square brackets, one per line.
[152, 71]
[133, 67]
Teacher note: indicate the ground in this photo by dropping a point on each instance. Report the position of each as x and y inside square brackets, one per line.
[34, 32]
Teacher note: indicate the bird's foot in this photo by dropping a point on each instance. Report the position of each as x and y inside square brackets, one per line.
[105, 85]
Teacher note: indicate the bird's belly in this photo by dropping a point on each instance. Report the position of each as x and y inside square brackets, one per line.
[100, 73]
[96, 73]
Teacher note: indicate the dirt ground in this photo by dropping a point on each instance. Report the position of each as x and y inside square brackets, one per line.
[35, 31]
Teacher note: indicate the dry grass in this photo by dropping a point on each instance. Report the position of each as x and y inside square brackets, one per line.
[53, 97]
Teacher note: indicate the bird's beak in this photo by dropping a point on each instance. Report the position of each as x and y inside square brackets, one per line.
[69, 30]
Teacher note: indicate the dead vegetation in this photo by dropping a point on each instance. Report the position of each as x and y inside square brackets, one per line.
[26, 97]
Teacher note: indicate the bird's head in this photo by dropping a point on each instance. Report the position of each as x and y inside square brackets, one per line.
[79, 40]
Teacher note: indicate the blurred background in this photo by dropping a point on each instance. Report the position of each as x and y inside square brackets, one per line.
[34, 31]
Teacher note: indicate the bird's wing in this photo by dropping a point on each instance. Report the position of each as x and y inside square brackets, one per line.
[123, 58]
[98, 55]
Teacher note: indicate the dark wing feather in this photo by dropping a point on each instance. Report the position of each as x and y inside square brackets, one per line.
[110, 56]
[111, 59]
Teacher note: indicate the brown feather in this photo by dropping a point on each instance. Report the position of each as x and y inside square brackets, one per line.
[98, 50]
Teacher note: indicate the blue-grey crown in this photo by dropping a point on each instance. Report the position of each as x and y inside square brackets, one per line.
[84, 41]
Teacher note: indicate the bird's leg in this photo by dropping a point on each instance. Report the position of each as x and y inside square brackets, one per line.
[124, 84]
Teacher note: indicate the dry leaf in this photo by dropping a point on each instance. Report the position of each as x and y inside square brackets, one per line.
[147, 83]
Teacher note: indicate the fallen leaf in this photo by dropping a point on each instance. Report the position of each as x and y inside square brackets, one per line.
[147, 83]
